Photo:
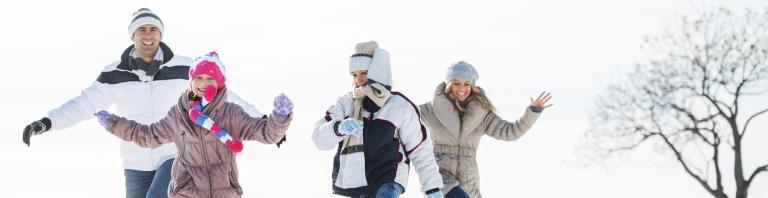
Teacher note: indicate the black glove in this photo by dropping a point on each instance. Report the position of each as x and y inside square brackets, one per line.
[36, 128]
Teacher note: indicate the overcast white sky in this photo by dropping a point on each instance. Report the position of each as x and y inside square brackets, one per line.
[51, 50]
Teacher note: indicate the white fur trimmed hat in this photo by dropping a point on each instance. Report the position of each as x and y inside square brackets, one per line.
[144, 16]
[462, 70]
[368, 56]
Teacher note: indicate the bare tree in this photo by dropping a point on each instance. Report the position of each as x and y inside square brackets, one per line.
[687, 98]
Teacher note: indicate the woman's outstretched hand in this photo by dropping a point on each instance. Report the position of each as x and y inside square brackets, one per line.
[541, 101]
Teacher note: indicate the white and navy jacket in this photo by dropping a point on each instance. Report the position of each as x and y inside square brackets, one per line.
[139, 97]
[393, 138]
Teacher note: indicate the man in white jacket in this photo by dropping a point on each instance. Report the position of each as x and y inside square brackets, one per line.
[143, 85]
[377, 134]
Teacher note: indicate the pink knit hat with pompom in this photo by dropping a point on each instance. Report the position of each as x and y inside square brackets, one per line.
[211, 65]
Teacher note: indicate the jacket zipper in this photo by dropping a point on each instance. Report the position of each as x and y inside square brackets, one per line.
[459, 173]
[207, 166]
[152, 112]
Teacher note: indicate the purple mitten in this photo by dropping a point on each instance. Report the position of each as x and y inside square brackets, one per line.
[102, 116]
[283, 105]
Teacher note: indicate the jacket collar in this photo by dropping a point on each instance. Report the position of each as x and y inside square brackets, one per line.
[217, 103]
[447, 115]
[126, 56]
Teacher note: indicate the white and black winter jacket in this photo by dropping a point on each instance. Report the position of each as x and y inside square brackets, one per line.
[136, 96]
[393, 139]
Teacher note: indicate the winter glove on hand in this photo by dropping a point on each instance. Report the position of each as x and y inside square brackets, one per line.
[351, 126]
[102, 116]
[36, 128]
[437, 194]
[283, 105]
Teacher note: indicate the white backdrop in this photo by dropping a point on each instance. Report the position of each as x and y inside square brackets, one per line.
[51, 50]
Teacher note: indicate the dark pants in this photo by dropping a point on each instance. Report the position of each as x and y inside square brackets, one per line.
[389, 190]
[457, 192]
[148, 184]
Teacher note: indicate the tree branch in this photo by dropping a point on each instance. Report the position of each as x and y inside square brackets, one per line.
[716, 159]
[744, 131]
[679, 157]
[757, 171]
[696, 130]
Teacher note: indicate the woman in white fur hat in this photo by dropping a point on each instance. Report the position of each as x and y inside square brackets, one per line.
[458, 116]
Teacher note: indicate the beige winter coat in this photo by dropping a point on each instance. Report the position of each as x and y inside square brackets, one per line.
[456, 139]
[205, 167]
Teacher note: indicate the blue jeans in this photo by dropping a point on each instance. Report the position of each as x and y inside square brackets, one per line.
[148, 184]
[457, 192]
[389, 190]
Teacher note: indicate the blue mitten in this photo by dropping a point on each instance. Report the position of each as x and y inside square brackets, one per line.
[102, 116]
[437, 194]
[351, 126]
[283, 105]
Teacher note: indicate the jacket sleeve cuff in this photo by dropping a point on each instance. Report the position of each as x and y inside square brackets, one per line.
[47, 123]
[536, 109]
[111, 122]
[336, 129]
[282, 120]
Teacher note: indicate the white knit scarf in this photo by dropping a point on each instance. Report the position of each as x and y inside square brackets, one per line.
[352, 163]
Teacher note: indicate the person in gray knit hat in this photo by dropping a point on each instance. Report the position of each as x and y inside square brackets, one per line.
[458, 116]
[143, 84]
[377, 134]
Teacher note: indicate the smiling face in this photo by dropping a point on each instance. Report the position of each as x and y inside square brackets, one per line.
[461, 89]
[146, 41]
[200, 82]
[360, 78]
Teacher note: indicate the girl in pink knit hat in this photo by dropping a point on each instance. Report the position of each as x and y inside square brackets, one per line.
[207, 130]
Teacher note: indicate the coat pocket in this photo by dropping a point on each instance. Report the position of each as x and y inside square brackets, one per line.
[446, 162]
[184, 181]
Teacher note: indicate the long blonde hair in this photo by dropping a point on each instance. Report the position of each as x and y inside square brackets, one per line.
[477, 94]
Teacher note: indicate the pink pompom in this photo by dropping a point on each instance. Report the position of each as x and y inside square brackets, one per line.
[210, 92]
[235, 146]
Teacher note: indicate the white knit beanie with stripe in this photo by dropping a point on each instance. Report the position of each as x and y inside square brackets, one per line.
[144, 16]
